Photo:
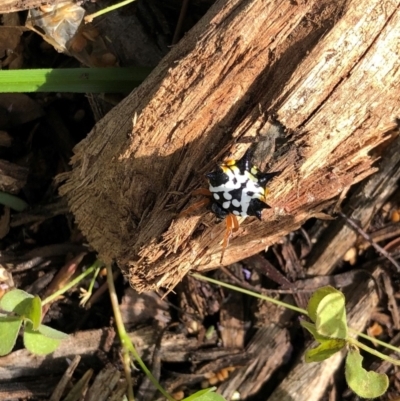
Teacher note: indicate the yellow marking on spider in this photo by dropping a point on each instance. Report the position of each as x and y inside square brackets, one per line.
[230, 162]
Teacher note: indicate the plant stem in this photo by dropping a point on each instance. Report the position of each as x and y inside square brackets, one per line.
[373, 351]
[251, 293]
[71, 284]
[90, 17]
[124, 338]
[375, 340]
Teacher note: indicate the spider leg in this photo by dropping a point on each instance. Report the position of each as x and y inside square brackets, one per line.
[199, 204]
[232, 225]
[201, 191]
[195, 206]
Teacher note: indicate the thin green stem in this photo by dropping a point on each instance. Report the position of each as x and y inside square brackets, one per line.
[124, 338]
[251, 293]
[71, 284]
[126, 362]
[90, 17]
[91, 285]
[304, 312]
[120, 328]
[375, 340]
[373, 351]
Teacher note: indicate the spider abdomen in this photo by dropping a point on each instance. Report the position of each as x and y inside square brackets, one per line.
[238, 189]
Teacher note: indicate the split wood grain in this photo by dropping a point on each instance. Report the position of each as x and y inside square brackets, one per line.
[329, 73]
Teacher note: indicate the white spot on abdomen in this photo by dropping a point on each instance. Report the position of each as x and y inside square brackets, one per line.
[235, 203]
[226, 205]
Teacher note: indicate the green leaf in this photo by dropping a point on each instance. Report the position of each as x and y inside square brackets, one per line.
[313, 331]
[365, 384]
[324, 350]
[12, 201]
[75, 80]
[9, 329]
[207, 394]
[52, 333]
[12, 299]
[316, 298]
[30, 309]
[37, 343]
[331, 316]
[23, 304]
[198, 394]
[36, 312]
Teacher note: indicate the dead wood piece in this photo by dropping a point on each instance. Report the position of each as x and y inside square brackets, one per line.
[293, 269]
[232, 324]
[28, 389]
[12, 177]
[308, 381]
[80, 387]
[334, 280]
[23, 364]
[208, 370]
[266, 268]
[62, 384]
[175, 348]
[361, 207]
[137, 308]
[104, 384]
[270, 347]
[391, 300]
[197, 300]
[313, 65]
[366, 236]
[21, 261]
[387, 232]
[40, 213]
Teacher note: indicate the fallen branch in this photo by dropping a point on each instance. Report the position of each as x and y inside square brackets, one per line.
[327, 72]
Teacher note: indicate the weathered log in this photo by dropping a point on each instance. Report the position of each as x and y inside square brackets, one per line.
[328, 72]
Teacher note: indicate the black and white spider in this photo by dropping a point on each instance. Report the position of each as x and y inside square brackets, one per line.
[236, 189]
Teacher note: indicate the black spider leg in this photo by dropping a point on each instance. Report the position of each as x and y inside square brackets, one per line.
[263, 178]
[256, 206]
[244, 164]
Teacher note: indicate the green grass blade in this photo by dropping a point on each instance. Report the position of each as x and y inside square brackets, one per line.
[76, 80]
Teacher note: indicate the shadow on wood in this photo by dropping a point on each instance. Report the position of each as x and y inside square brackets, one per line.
[328, 73]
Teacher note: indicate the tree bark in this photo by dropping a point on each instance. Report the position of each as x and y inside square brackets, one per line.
[327, 72]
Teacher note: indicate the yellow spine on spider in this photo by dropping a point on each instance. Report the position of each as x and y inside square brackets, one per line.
[236, 189]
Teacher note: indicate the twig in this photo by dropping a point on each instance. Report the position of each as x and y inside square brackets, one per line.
[368, 238]
[179, 24]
